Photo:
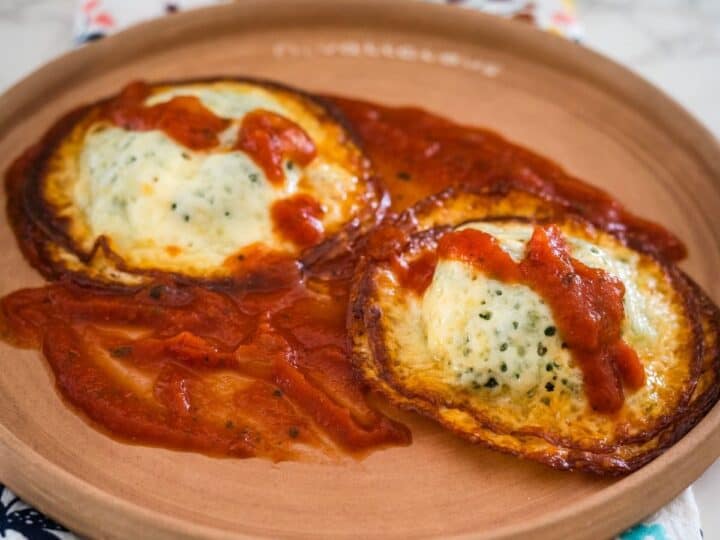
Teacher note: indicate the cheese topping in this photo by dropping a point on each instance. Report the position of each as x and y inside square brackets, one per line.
[494, 335]
[158, 201]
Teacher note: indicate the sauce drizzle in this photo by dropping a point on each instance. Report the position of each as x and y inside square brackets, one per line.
[269, 138]
[299, 219]
[183, 118]
[587, 305]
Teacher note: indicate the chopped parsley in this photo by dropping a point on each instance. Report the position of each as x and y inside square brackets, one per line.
[121, 352]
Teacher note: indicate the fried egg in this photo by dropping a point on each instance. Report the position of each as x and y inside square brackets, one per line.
[114, 201]
[485, 358]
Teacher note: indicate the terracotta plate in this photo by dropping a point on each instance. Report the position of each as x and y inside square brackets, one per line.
[600, 121]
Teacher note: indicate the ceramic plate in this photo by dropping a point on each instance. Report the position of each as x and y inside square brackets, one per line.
[600, 121]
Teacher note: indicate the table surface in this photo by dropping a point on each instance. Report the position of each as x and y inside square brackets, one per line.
[673, 43]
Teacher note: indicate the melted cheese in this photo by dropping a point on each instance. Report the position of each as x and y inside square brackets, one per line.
[502, 337]
[491, 334]
[157, 200]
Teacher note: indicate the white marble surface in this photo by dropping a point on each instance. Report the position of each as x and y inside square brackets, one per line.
[676, 45]
[673, 43]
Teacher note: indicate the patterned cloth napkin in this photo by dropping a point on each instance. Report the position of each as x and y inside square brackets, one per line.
[679, 520]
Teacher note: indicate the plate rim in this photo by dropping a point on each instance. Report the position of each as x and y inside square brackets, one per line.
[585, 64]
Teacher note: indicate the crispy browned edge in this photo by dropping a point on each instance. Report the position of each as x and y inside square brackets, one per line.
[367, 343]
[36, 227]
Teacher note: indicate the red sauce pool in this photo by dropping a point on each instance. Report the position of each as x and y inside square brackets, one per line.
[418, 154]
[260, 366]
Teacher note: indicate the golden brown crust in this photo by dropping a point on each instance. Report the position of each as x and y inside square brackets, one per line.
[628, 451]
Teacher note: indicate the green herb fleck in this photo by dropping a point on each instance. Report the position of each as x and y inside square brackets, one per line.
[515, 325]
[155, 292]
[503, 347]
[503, 367]
[549, 386]
[487, 315]
[491, 383]
[541, 349]
[550, 331]
[294, 432]
[121, 352]
[548, 367]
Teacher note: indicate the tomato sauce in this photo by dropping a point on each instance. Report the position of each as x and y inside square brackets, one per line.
[270, 138]
[239, 371]
[299, 219]
[260, 366]
[587, 305]
[418, 154]
[183, 118]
